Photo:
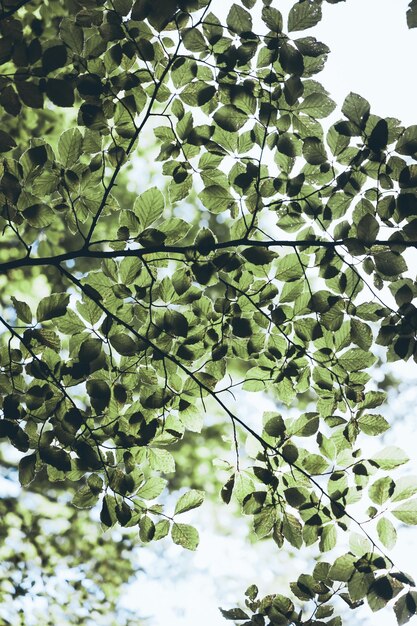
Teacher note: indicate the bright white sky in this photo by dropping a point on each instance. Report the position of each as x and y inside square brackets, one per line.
[373, 53]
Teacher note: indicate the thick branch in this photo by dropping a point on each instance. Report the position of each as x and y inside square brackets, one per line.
[86, 253]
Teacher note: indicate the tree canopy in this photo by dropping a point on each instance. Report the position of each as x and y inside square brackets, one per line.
[182, 222]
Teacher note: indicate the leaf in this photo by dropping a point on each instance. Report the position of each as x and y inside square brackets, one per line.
[381, 490]
[378, 138]
[328, 538]
[85, 498]
[412, 14]
[27, 469]
[38, 215]
[146, 529]
[161, 529]
[152, 488]
[289, 268]
[234, 614]
[175, 323]
[317, 105]
[343, 568]
[356, 359]
[123, 344]
[405, 487]
[356, 109]
[373, 424]
[272, 18]
[54, 58]
[258, 256]
[70, 147]
[407, 512]
[406, 606]
[314, 151]
[149, 207]
[390, 457]
[30, 94]
[6, 142]
[161, 459]
[193, 40]
[292, 530]
[185, 535]
[23, 311]
[58, 458]
[190, 500]
[304, 15]
[60, 92]
[390, 263]
[230, 118]
[238, 20]
[216, 198]
[52, 306]
[407, 143]
[386, 532]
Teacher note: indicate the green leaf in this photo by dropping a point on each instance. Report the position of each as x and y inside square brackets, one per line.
[70, 147]
[317, 105]
[381, 490]
[23, 311]
[85, 498]
[272, 18]
[328, 538]
[146, 529]
[152, 488]
[314, 151]
[405, 487]
[230, 118]
[343, 568]
[390, 263]
[292, 530]
[27, 472]
[386, 532]
[216, 199]
[406, 512]
[175, 323]
[193, 40]
[161, 459]
[406, 606]
[356, 359]
[390, 457]
[289, 268]
[58, 458]
[407, 143]
[161, 529]
[234, 614]
[149, 207]
[185, 535]
[258, 256]
[373, 424]
[356, 109]
[38, 215]
[6, 142]
[238, 20]
[123, 344]
[412, 14]
[304, 15]
[52, 306]
[190, 500]
[60, 92]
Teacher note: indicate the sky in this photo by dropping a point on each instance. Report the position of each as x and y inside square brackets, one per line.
[372, 53]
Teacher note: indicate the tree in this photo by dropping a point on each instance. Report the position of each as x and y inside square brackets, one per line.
[262, 249]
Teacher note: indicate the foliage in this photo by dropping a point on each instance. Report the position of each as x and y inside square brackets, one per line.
[269, 242]
[55, 565]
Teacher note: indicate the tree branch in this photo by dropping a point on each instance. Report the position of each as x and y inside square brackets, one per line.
[86, 253]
